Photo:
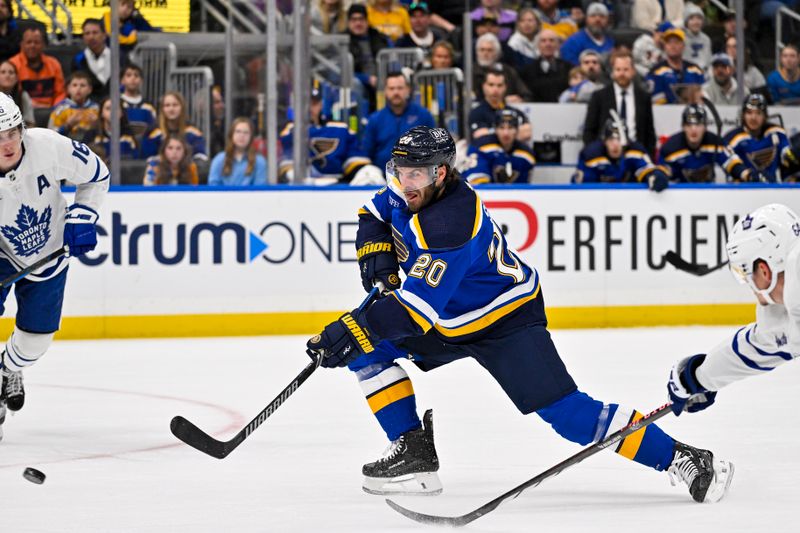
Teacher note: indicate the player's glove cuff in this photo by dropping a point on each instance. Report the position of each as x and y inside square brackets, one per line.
[377, 262]
[685, 392]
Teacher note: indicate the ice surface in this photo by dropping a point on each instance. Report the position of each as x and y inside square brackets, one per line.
[96, 421]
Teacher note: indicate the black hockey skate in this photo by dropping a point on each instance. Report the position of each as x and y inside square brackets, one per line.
[708, 479]
[13, 393]
[408, 466]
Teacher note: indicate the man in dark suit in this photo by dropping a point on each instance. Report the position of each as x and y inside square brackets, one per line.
[547, 76]
[631, 102]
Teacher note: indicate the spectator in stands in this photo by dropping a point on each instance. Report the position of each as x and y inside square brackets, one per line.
[729, 27]
[239, 164]
[553, 18]
[784, 82]
[631, 102]
[689, 156]
[389, 18]
[218, 140]
[482, 116]
[499, 157]
[449, 14]
[422, 34]
[172, 120]
[593, 37]
[648, 14]
[173, 165]
[95, 59]
[76, 114]
[754, 80]
[649, 49]
[675, 80]
[698, 44]
[365, 43]
[131, 22]
[99, 137]
[489, 24]
[722, 88]
[40, 75]
[443, 55]
[9, 35]
[488, 53]
[614, 159]
[329, 16]
[576, 82]
[401, 114]
[591, 65]
[548, 75]
[141, 115]
[9, 84]
[506, 18]
[523, 42]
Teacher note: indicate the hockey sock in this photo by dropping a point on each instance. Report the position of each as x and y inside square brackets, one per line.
[579, 418]
[390, 395]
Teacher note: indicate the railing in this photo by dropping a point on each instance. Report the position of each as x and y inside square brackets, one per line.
[52, 16]
[440, 92]
[158, 60]
[194, 83]
[391, 59]
[779, 44]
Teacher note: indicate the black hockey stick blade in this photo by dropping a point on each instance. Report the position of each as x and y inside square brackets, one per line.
[458, 521]
[16, 276]
[698, 270]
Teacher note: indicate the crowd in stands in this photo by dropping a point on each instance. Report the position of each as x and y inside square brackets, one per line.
[619, 58]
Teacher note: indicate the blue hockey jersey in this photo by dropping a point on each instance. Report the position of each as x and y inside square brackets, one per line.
[764, 154]
[490, 163]
[462, 280]
[666, 82]
[334, 151]
[595, 165]
[697, 166]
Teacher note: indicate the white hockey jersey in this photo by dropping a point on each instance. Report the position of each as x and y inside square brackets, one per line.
[32, 206]
[773, 339]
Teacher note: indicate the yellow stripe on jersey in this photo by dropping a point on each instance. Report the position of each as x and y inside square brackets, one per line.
[525, 155]
[636, 153]
[397, 391]
[739, 137]
[362, 211]
[479, 179]
[491, 147]
[629, 446]
[487, 319]
[674, 156]
[418, 232]
[774, 129]
[597, 161]
[420, 320]
[476, 226]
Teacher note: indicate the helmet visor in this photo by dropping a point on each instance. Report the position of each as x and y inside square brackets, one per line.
[411, 178]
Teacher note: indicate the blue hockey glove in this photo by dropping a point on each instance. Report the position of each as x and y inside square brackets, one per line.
[342, 341]
[80, 233]
[685, 393]
[658, 181]
[377, 262]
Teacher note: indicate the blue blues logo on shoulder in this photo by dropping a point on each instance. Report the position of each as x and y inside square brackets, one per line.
[31, 232]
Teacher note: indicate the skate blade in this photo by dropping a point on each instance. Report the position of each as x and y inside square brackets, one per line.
[723, 475]
[421, 484]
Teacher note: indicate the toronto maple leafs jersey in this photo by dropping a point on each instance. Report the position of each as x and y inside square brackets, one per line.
[762, 154]
[596, 166]
[334, 151]
[490, 163]
[686, 165]
[32, 207]
[773, 339]
[462, 279]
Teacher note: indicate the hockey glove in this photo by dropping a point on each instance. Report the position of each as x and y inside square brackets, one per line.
[377, 262]
[685, 392]
[80, 233]
[342, 341]
[658, 181]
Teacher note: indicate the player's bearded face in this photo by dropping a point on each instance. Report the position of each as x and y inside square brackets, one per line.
[417, 184]
[10, 148]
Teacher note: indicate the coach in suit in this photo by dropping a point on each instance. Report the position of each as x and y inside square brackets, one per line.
[632, 103]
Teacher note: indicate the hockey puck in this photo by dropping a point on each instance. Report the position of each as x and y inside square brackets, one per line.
[33, 475]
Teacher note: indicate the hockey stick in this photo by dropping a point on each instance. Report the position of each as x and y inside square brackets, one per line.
[718, 121]
[692, 268]
[458, 521]
[15, 277]
[200, 440]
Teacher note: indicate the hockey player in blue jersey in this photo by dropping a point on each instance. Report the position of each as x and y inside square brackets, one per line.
[613, 160]
[690, 155]
[35, 222]
[334, 152]
[674, 79]
[499, 157]
[762, 146]
[466, 293]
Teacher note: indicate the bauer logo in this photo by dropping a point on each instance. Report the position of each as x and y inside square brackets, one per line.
[217, 243]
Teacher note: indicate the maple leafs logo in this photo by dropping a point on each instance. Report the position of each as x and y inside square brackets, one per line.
[31, 233]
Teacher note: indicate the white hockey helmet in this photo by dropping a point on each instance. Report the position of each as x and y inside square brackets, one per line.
[768, 233]
[10, 115]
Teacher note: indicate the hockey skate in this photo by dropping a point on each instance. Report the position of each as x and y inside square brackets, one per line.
[708, 478]
[408, 465]
[13, 392]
